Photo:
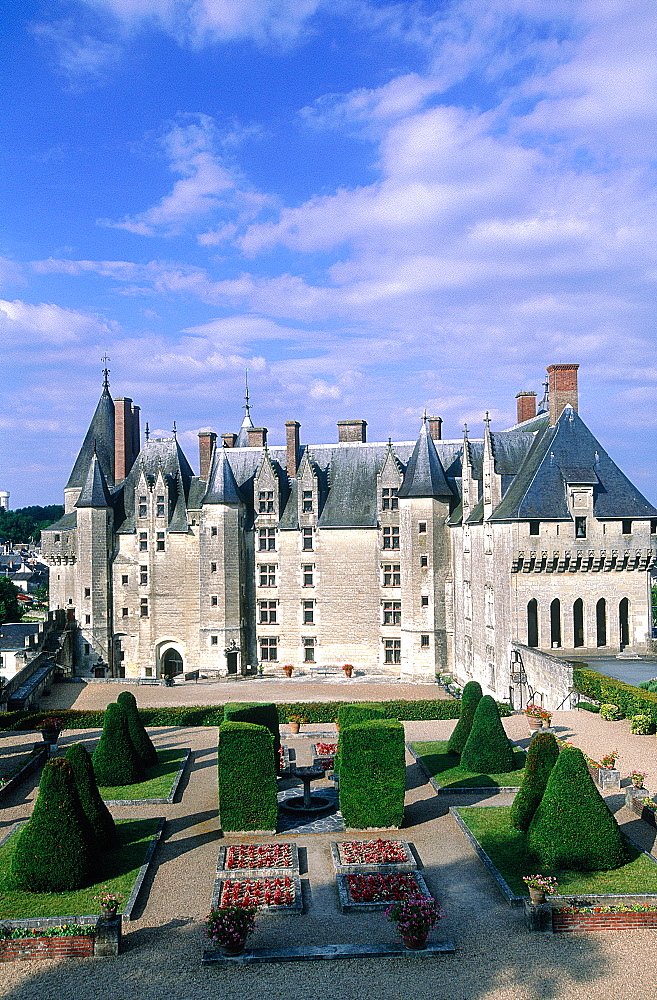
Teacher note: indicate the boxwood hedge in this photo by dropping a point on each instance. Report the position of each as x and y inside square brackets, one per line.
[373, 774]
[631, 700]
[247, 777]
[259, 713]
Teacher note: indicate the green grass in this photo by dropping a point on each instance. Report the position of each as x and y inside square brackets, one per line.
[507, 849]
[444, 768]
[119, 871]
[157, 784]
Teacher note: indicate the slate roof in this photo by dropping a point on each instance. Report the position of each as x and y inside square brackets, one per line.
[99, 438]
[425, 476]
[65, 523]
[94, 492]
[157, 454]
[222, 487]
[13, 634]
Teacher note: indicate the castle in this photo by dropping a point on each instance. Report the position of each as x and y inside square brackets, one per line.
[414, 558]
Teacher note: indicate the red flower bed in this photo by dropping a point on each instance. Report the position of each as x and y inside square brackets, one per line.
[371, 852]
[382, 888]
[326, 749]
[258, 892]
[259, 856]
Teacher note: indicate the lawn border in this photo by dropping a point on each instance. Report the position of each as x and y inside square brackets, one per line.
[91, 918]
[449, 790]
[590, 899]
[159, 801]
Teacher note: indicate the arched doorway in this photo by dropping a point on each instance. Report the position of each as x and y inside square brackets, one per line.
[532, 623]
[624, 622]
[578, 622]
[555, 623]
[601, 622]
[172, 663]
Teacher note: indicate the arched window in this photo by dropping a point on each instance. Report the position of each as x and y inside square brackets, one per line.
[532, 623]
[624, 622]
[555, 623]
[601, 622]
[578, 622]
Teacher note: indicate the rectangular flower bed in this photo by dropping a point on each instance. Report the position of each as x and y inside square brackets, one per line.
[324, 755]
[281, 892]
[257, 857]
[375, 891]
[33, 947]
[602, 918]
[354, 856]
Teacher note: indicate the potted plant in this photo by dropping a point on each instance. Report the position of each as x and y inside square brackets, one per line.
[109, 902]
[637, 778]
[296, 721]
[287, 669]
[609, 760]
[536, 716]
[348, 669]
[50, 727]
[414, 917]
[230, 926]
[539, 885]
[168, 680]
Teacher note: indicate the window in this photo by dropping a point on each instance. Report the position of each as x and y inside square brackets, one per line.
[160, 506]
[653, 528]
[532, 623]
[87, 619]
[422, 527]
[143, 510]
[143, 607]
[269, 648]
[214, 640]
[488, 539]
[424, 562]
[391, 575]
[534, 527]
[267, 575]
[389, 499]
[124, 579]
[391, 537]
[555, 623]
[266, 539]
[627, 527]
[467, 599]
[143, 541]
[213, 530]
[159, 541]
[307, 539]
[307, 502]
[466, 538]
[307, 571]
[489, 607]
[424, 641]
[58, 538]
[267, 612]
[580, 527]
[214, 601]
[601, 622]
[578, 622]
[87, 592]
[308, 609]
[124, 612]
[143, 575]
[392, 612]
[424, 601]
[392, 650]
[468, 656]
[266, 502]
[490, 661]
[308, 650]
[213, 567]
[87, 648]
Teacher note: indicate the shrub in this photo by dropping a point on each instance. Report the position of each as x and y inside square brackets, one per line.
[588, 706]
[247, 777]
[572, 827]
[470, 698]
[487, 750]
[114, 759]
[141, 741]
[56, 850]
[631, 700]
[642, 725]
[611, 713]
[352, 715]
[259, 714]
[541, 756]
[99, 816]
[650, 685]
[373, 774]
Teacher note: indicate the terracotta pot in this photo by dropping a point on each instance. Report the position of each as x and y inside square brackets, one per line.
[637, 782]
[294, 727]
[348, 671]
[230, 951]
[534, 723]
[50, 736]
[108, 912]
[415, 942]
[288, 671]
[536, 895]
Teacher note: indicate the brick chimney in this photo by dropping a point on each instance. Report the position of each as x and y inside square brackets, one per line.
[229, 440]
[136, 437]
[126, 436]
[352, 430]
[206, 445]
[292, 446]
[257, 437]
[435, 427]
[526, 403]
[563, 389]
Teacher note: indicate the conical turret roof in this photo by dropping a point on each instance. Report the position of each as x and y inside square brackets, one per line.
[222, 487]
[95, 492]
[425, 476]
[99, 440]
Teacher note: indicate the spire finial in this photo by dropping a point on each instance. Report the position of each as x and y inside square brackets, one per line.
[247, 405]
[487, 420]
[148, 431]
[465, 431]
[106, 371]
[175, 432]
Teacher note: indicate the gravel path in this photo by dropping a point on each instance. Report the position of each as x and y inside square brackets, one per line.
[495, 957]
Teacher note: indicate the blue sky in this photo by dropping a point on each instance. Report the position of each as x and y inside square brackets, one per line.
[376, 207]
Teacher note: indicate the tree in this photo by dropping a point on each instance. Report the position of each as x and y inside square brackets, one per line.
[115, 759]
[487, 750]
[99, 816]
[141, 741]
[10, 610]
[541, 757]
[26, 523]
[470, 698]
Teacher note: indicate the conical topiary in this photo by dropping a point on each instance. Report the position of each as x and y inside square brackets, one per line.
[541, 756]
[140, 738]
[115, 759]
[572, 827]
[487, 749]
[99, 816]
[56, 850]
[470, 698]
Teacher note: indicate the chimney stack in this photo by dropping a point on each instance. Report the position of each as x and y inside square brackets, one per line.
[257, 437]
[526, 403]
[229, 440]
[352, 430]
[563, 389]
[435, 427]
[126, 437]
[206, 445]
[292, 446]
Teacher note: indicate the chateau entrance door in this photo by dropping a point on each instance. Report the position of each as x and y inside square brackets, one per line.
[172, 662]
[231, 661]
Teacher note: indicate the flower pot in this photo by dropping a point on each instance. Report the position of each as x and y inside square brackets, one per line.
[536, 895]
[236, 948]
[108, 912]
[414, 942]
[348, 671]
[637, 782]
[288, 671]
[534, 722]
[295, 727]
[50, 736]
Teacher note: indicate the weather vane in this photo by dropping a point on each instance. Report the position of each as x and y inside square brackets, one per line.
[106, 371]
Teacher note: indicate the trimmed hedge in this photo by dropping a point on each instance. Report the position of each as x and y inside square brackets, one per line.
[472, 695]
[541, 758]
[115, 759]
[56, 850]
[141, 741]
[99, 816]
[573, 827]
[259, 714]
[373, 774]
[247, 777]
[631, 700]
[487, 750]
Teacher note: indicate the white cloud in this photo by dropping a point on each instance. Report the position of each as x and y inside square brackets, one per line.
[82, 57]
[23, 324]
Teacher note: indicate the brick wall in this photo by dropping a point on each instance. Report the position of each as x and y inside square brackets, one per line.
[562, 922]
[33, 948]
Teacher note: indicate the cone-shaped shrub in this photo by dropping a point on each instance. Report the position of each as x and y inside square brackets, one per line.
[572, 827]
[541, 756]
[56, 850]
[115, 760]
[141, 741]
[99, 816]
[487, 749]
[469, 700]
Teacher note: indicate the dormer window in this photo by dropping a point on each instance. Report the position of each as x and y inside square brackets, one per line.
[143, 509]
[307, 502]
[266, 502]
[389, 499]
[160, 506]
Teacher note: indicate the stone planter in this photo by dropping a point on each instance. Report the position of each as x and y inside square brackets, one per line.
[534, 723]
[295, 727]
